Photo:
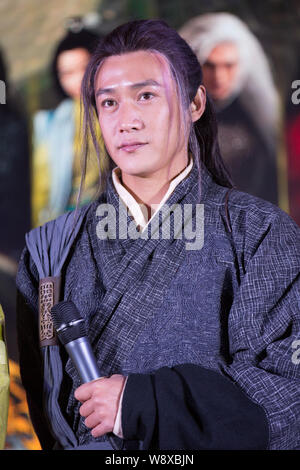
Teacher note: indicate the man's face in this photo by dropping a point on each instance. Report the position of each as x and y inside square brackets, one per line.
[220, 71]
[140, 128]
[71, 66]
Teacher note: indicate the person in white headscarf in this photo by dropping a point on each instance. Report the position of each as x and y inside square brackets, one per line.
[238, 78]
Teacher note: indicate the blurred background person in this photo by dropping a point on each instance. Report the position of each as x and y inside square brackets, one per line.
[293, 145]
[57, 133]
[14, 199]
[15, 221]
[14, 172]
[237, 75]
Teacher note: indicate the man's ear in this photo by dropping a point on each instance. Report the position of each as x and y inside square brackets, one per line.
[197, 106]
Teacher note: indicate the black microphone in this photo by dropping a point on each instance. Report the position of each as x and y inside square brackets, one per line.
[70, 329]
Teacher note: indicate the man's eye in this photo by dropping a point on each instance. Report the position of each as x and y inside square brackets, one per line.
[146, 96]
[108, 103]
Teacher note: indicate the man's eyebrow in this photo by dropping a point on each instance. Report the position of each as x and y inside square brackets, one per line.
[134, 86]
[149, 82]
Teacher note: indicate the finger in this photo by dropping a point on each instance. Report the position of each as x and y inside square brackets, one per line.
[93, 420]
[84, 392]
[87, 408]
[101, 429]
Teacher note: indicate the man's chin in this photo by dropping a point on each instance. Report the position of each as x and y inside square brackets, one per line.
[220, 95]
[139, 171]
[136, 173]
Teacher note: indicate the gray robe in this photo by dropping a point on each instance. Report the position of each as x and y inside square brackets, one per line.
[208, 337]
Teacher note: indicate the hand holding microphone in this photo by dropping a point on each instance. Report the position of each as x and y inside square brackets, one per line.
[100, 398]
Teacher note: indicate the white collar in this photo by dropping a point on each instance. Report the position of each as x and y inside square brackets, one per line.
[139, 211]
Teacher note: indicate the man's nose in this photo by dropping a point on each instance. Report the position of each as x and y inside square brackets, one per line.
[220, 74]
[130, 120]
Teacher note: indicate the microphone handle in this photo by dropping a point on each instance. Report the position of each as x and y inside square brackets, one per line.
[82, 356]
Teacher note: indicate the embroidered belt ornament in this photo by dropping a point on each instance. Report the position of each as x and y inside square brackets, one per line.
[48, 296]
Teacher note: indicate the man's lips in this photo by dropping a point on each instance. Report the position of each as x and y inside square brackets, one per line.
[131, 146]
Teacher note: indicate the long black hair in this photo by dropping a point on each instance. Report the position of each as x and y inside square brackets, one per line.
[82, 39]
[157, 37]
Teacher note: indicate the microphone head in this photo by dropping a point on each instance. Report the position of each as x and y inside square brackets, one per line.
[68, 322]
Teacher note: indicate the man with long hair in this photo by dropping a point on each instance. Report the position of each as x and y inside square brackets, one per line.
[195, 328]
[238, 77]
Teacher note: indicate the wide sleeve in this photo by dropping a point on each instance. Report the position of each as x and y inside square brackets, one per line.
[264, 325]
[252, 401]
[191, 407]
[31, 367]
